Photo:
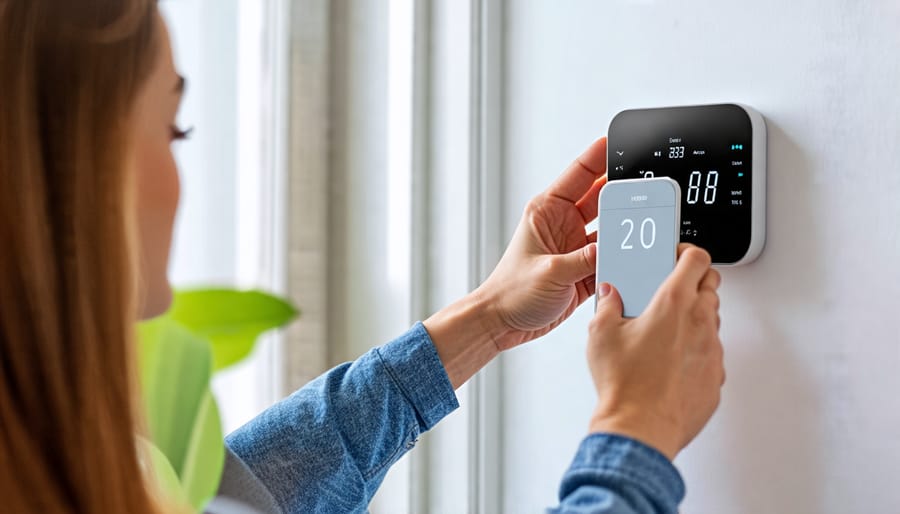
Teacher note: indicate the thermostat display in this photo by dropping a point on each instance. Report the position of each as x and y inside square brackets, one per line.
[717, 154]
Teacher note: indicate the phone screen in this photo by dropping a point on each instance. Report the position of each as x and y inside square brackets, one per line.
[637, 238]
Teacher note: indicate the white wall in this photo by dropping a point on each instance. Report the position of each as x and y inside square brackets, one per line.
[810, 415]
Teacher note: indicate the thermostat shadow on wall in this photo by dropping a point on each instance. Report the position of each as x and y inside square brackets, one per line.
[717, 154]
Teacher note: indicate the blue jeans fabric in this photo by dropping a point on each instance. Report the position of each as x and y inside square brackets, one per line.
[327, 447]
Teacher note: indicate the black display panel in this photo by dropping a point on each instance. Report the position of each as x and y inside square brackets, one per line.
[708, 150]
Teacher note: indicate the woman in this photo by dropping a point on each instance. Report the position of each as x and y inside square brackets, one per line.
[88, 194]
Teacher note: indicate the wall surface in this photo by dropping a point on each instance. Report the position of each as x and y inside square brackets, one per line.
[810, 416]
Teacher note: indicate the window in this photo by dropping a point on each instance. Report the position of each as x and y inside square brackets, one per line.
[355, 167]
[230, 223]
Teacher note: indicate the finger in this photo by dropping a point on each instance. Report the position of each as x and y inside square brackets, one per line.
[581, 174]
[711, 281]
[716, 351]
[679, 290]
[707, 307]
[590, 284]
[592, 237]
[586, 289]
[703, 315]
[684, 246]
[588, 204]
[710, 300]
[720, 360]
[575, 266]
[609, 306]
[693, 264]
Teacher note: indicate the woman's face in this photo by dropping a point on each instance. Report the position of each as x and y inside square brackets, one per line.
[157, 184]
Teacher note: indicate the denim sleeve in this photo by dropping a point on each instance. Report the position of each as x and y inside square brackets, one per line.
[327, 447]
[612, 474]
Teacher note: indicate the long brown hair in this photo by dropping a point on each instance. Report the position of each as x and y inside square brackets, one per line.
[70, 74]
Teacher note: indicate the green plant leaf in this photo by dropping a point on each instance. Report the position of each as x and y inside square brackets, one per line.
[231, 320]
[205, 458]
[184, 423]
[206, 330]
[166, 478]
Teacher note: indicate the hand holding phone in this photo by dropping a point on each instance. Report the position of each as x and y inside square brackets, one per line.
[637, 238]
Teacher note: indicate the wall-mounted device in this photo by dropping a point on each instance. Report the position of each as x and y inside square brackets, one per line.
[637, 238]
[717, 154]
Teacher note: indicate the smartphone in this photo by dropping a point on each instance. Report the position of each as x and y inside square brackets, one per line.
[637, 237]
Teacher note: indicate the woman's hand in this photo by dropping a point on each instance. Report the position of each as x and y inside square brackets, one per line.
[549, 266]
[547, 271]
[658, 376]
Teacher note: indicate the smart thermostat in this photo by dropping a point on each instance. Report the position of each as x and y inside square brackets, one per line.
[717, 154]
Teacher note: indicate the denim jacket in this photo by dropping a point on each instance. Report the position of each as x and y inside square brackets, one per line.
[327, 447]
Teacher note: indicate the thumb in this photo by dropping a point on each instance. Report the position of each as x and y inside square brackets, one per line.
[575, 266]
[609, 305]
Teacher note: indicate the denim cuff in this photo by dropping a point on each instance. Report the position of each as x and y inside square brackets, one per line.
[413, 364]
[623, 459]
